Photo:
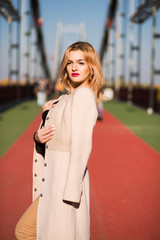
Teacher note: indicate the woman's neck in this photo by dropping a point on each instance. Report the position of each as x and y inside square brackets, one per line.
[75, 86]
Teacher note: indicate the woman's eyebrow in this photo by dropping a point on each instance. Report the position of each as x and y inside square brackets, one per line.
[76, 60]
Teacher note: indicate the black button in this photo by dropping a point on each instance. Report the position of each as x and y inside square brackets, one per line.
[41, 195]
[35, 160]
[47, 118]
[43, 179]
[35, 189]
[45, 164]
[35, 175]
[46, 146]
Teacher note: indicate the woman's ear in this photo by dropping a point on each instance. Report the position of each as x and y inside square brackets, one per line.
[91, 72]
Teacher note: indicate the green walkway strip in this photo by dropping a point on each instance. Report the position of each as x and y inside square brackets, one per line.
[147, 127]
[14, 121]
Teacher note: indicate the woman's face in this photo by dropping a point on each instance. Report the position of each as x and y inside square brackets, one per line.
[77, 68]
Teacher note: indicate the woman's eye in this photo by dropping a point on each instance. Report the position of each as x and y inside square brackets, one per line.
[68, 63]
[81, 63]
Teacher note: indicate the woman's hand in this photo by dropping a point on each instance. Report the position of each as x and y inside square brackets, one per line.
[45, 134]
[48, 105]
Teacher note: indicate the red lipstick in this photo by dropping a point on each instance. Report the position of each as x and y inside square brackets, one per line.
[75, 74]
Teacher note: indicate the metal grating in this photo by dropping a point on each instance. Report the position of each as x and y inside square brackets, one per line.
[144, 11]
[108, 25]
[35, 10]
[8, 11]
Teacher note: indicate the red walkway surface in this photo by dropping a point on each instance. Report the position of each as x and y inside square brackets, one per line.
[124, 179]
[16, 181]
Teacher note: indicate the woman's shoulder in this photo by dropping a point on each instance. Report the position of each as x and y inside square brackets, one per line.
[84, 102]
[84, 93]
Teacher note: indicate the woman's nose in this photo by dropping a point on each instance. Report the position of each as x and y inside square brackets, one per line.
[74, 67]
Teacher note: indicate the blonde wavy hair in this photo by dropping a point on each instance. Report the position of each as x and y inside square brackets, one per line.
[92, 59]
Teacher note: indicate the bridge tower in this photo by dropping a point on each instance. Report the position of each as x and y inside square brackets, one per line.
[61, 30]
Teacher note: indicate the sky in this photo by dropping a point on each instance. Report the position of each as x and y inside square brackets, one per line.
[93, 13]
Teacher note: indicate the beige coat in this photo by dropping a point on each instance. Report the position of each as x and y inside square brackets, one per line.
[61, 179]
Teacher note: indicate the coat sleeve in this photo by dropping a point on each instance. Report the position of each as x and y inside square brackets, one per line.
[83, 119]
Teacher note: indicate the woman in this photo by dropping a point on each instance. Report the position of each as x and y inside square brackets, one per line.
[60, 208]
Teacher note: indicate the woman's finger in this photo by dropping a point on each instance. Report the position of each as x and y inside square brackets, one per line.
[45, 134]
[48, 135]
[46, 130]
[46, 139]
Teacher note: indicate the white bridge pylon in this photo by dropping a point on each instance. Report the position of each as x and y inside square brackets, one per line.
[63, 29]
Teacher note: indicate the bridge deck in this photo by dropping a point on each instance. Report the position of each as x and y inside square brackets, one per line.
[124, 178]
